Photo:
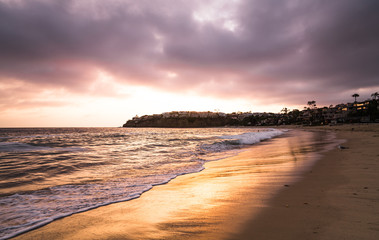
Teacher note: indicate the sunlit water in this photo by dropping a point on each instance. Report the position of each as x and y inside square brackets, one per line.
[46, 174]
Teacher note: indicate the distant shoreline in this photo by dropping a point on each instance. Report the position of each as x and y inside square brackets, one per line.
[357, 112]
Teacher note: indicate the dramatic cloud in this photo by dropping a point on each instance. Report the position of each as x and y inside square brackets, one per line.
[280, 52]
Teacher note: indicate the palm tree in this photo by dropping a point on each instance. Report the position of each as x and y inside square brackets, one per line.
[375, 95]
[284, 110]
[355, 95]
[312, 104]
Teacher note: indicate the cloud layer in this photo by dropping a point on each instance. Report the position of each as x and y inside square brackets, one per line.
[284, 52]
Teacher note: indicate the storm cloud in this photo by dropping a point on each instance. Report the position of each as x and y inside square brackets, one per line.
[280, 51]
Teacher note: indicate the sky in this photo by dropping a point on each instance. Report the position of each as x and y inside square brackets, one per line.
[89, 63]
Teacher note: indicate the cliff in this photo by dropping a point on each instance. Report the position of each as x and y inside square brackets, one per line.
[184, 120]
[178, 122]
[366, 111]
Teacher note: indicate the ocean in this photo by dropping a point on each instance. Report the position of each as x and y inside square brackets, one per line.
[50, 173]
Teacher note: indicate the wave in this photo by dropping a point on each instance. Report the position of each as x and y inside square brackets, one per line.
[250, 138]
[52, 203]
[24, 147]
[230, 142]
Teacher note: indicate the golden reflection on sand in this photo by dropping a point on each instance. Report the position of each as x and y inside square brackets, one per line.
[211, 204]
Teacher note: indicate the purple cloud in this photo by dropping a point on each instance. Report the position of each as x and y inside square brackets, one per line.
[285, 52]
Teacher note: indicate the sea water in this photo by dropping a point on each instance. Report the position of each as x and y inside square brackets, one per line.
[50, 173]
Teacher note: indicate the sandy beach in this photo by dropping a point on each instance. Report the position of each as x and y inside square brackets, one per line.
[335, 198]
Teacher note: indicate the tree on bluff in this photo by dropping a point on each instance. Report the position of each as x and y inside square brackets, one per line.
[355, 95]
[312, 104]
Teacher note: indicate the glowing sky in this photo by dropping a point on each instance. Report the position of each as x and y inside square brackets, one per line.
[99, 63]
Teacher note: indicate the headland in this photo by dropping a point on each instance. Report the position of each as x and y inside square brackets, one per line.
[357, 112]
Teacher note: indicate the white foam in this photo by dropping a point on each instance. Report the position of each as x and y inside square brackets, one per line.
[254, 137]
[39, 216]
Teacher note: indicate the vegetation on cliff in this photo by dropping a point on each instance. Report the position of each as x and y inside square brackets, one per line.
[366, 111]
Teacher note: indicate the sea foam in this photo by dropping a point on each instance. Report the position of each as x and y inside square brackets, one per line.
[250, 138]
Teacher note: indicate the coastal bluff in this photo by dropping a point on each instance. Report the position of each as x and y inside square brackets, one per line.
[357, 112]
[188, 119]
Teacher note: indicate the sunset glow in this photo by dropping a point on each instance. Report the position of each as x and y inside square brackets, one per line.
[60, 67]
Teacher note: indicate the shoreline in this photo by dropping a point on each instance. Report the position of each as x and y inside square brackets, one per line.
[131, 219]
[337, 199]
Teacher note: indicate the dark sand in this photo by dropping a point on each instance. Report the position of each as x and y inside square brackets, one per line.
[240, 198]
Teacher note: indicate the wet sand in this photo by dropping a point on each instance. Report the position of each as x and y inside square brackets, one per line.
[244, 198]
[337, 199]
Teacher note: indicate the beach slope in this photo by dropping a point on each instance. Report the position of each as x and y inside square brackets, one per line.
[337, 199]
